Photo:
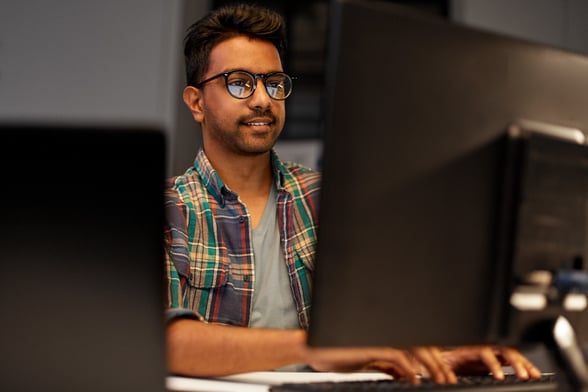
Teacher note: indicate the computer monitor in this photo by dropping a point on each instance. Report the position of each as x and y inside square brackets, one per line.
[412, 247]
[81, 270]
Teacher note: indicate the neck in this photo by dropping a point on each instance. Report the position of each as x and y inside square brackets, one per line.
[250, 176]
[247, 175]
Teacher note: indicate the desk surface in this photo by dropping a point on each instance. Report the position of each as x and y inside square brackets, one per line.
[260, 381]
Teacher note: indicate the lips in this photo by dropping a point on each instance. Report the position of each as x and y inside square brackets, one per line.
[259, 121]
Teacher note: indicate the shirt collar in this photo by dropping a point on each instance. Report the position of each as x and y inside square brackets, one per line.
[217, 187]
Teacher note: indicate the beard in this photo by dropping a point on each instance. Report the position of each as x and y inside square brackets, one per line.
[245, 139]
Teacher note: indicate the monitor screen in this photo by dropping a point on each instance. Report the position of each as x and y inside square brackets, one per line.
[412, 247]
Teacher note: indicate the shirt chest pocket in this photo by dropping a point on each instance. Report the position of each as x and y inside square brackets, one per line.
[207, 269]
[211, 290]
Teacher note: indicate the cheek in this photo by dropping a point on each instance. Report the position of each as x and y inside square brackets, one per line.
[281, 112]
[216, 111]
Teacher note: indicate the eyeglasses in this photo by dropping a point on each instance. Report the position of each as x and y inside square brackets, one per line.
[242, 84]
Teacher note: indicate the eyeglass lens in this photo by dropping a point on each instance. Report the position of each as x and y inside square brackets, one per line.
[242, 84]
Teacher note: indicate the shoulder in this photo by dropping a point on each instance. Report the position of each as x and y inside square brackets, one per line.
[185, 193]
[187, 182]
[296, 174]
[303, 184]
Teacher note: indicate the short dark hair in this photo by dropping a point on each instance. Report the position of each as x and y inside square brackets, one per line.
[227, 22]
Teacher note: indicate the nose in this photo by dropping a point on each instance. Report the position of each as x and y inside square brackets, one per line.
[260, 98]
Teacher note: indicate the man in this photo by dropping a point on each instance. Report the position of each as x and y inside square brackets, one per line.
[241, 225]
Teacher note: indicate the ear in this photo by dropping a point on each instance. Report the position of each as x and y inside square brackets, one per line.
[193, 100]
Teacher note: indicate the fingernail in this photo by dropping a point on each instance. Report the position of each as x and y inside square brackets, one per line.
[499, 375]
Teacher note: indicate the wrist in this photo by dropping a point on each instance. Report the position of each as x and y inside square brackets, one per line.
[300, 349]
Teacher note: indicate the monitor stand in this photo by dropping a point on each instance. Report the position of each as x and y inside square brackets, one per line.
[568, 292]
[568, 354]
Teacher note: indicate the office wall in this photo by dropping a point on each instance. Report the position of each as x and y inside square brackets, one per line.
[81, 60]
[186, 135]
[87, 61]
[561, 23]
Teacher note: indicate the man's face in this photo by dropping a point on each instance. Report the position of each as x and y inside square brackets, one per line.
[244, 126]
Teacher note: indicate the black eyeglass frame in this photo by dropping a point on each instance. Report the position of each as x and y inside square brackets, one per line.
[263, 77]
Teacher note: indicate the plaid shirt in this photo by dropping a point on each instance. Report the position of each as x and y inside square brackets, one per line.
[209, 248]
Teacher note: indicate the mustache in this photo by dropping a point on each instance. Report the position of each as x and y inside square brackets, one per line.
[267, 114]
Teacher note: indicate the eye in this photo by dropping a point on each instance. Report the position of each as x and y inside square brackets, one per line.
[275, 84]
[239, 82]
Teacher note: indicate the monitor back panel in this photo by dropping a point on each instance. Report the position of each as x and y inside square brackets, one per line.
[81, 265]
[417, 111]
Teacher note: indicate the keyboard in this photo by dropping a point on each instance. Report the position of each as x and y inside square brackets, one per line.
[470, 383]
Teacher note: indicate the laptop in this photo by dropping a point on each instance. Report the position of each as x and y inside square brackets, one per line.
[81, 265]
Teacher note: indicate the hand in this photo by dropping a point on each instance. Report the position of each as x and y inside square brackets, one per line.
[441, 367]
[388, 360]
[402, 365]
[484, 359]
[433, 364]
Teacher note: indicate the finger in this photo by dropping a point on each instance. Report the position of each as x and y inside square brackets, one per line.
[523, 368]
[396, 370]
[448, 372]
[488, 356]
[433, 361]
[403, 364]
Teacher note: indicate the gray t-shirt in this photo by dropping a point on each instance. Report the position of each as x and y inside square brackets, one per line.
[273, 303]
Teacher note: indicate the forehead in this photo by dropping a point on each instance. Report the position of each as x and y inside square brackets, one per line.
[246, 53]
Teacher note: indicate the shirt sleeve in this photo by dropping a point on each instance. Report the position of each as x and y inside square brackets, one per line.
[172, 314]
[176, 257]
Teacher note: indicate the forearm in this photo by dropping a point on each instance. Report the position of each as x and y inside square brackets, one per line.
[198, 349]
